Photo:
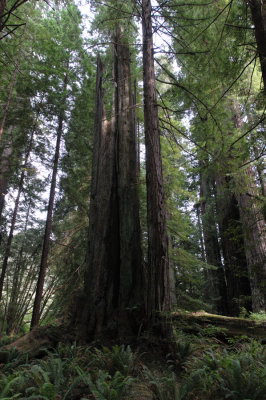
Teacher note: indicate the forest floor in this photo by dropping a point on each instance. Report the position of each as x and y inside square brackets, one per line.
[215, 357]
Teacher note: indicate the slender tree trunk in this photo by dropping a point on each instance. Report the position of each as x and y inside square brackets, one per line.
[258, 13]
[261, 168]
[2, 11]
[216, 288]
[11, 89]
[48, 226]
[158, 261]
[4, 172]
[15, 289]
[172, 274]
[14, 218]
[113, 280]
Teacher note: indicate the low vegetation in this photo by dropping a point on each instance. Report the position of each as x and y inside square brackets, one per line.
[203, 368]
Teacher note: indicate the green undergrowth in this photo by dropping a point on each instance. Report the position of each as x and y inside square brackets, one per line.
[202, 368]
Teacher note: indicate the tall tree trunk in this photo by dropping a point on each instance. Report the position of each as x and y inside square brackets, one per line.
[258, 13]
[102, 273]
[253, 224]
[254, 237]
[4, 171]
[158, 260]
[48, 226]
[131, 274]
[216, 288]
[235, 263]
[113, 280]
[11, 89]
[14, 218]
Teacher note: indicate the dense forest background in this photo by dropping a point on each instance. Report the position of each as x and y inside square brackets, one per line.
[210, 83]
[132, 200]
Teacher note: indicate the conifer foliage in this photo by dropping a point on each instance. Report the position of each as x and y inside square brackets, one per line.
[132, 163]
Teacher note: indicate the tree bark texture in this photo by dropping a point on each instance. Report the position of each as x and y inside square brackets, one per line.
[216, 287]
[261, 168]
[113, 279]
[11, 89]
[253, 226]
[235, 263]
[258, 13]
[2, 11]
[158, 260]
[254, 237]
[4, 171]
[48, 226]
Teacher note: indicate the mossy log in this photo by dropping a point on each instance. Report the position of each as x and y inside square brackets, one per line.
[233, 326]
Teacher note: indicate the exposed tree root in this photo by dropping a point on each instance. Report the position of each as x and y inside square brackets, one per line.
[40, 338]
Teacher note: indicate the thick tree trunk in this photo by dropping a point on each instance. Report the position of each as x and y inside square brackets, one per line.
[235, 263]
[216, 287]
[258, 12]
[14, 218]
[158, 261]
[131, 274]
[48, 226]
[113, 280]
[254, 237]
[253, 224]
[102, 274]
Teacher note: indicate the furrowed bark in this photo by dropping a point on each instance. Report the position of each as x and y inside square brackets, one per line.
[216, 287]
[131, 275]
[158, 260]
[254, 237]
[113, 279]
[235, 263]
[258, 13]
[102, 273]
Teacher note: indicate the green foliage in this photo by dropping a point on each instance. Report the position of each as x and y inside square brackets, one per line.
[163, 387]
[118, 358]
[182, 351]
[238, 376]
[107, 387]
[69, 369]
[260, 316]
[75, 372]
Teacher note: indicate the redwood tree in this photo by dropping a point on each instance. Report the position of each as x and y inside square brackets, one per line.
[158, 260]
[114, 277]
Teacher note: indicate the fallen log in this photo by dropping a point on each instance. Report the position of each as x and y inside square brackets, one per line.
[233, 326]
